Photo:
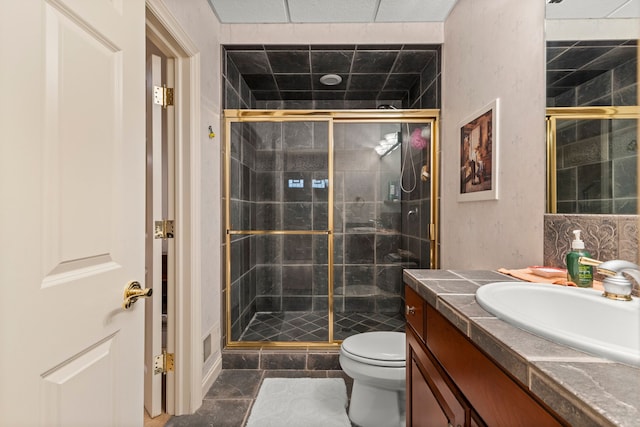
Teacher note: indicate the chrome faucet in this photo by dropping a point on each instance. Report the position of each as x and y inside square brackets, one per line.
[616, 285]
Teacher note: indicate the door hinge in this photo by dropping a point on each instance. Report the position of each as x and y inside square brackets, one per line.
[163, 363]
[163, 229]
[163, 95]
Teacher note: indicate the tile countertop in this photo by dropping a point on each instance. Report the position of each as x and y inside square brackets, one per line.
[583, 389]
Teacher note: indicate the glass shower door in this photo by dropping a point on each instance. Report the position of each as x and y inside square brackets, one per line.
[323, 211]
[595, 164]
[279, 228]
[382, 204]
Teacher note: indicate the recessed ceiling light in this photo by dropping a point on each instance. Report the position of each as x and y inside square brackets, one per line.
[330, 79]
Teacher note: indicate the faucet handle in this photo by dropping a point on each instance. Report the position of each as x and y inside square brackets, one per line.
[589, 261]
[616, 266]
[616, 285]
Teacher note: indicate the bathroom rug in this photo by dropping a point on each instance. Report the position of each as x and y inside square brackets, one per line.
[300, 402]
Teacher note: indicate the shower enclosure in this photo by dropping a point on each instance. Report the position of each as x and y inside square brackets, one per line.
[323, 211]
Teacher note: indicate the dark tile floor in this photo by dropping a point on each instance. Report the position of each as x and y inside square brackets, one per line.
[228, 401]
[312, 326]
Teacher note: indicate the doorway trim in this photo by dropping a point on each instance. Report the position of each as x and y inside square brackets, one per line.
[184, 386]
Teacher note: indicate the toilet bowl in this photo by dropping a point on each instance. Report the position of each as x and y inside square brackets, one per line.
[376, 362]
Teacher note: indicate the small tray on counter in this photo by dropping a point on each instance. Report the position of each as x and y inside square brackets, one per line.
[548, 272]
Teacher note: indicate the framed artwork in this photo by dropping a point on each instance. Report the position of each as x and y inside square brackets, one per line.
[478, 155]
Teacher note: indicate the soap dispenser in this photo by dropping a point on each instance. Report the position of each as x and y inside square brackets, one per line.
[581, 275]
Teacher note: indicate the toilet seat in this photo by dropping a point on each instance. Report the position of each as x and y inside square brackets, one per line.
[376, 348]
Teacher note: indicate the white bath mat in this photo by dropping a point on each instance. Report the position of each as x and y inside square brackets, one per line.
[300, 402]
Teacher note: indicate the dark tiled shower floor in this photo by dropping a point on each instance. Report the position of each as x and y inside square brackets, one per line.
[312, 326]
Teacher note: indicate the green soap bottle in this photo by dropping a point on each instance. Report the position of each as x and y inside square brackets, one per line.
[581, 275]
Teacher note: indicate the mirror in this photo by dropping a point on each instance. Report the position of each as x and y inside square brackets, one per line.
[592, 111]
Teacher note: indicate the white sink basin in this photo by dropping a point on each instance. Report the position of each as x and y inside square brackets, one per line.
[580, 318]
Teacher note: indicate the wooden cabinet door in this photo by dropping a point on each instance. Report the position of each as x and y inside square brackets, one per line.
[430, 402]
[494, 396]
[425, 409]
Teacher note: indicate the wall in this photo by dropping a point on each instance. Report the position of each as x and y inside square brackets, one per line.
[592, 29]
[389, 33]
[202, 27]
[495, 49]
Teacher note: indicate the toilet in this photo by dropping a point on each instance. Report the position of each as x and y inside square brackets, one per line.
[376, 362]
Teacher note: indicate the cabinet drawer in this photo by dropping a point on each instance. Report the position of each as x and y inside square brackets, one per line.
[496, 397]
[414, 311]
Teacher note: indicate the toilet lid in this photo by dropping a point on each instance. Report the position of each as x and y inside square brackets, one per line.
[377, 348]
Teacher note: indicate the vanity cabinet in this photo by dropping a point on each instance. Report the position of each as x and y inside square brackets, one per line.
[451, 382]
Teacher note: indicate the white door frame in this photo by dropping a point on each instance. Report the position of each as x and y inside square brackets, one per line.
[184, 386]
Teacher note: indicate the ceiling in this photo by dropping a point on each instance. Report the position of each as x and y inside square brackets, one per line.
[336, 11]
[368, 72]
[342, 11]
[389, 72]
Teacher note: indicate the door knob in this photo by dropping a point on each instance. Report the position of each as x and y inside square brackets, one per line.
[132, 292]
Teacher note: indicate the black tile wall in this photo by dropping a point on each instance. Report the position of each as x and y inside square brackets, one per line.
[274, 77]
[274, 273]
[600, 73]
[586, 183]
[389, 279]
[583, 73]
[359, 248]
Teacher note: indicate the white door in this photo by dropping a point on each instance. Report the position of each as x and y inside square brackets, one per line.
[72, 158]
[154, 247]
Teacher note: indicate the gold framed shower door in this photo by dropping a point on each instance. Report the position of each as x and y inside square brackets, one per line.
[232, 116]
[575, 113]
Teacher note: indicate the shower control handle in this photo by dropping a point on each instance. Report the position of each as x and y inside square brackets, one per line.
[410, 310]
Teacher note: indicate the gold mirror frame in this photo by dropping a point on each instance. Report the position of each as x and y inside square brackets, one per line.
[578, 113]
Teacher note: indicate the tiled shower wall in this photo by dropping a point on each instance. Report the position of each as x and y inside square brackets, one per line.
[589, 152]
[424, 94]
[597, 166]
[271, 272]
[276, 272]
[416, 202]
[289, 273]
[617, 86]
[243, 273]
[606, 237]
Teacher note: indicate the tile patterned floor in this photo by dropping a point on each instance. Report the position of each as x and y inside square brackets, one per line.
[228, 402]
[312, 326]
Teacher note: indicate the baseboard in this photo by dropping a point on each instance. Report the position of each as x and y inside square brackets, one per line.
[211, 375]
